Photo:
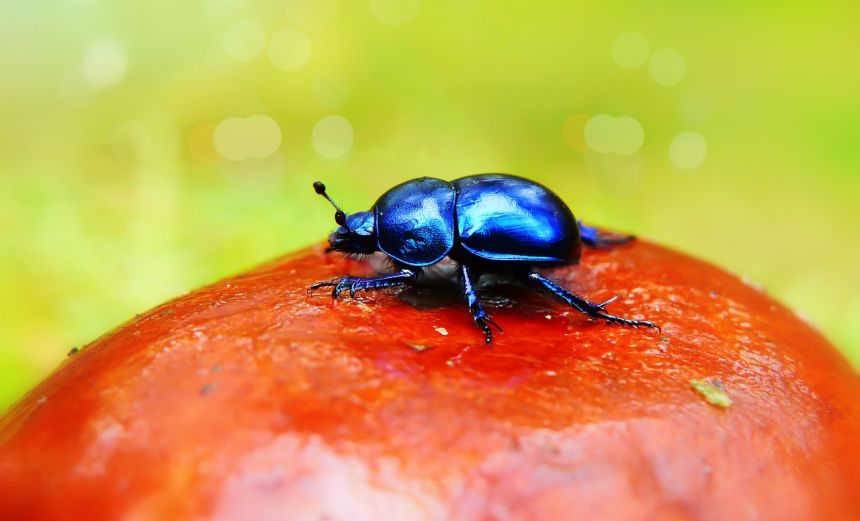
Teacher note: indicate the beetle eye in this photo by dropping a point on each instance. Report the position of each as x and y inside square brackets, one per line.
[340, 218]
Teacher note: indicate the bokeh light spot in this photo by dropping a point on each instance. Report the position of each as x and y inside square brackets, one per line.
[614, 135]
[229, 139]
[573, 132]
[289, 50]
[104, 64]
[245, 40]
[395, 12]
[239, 139]
[687, 151]
[667, 67]
[630, 50]
[332, 136]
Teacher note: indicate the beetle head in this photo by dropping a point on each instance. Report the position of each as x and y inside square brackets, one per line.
[355, 235]
[355, 232]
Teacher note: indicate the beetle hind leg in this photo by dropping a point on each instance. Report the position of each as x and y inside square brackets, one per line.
[481, 318]
[589, 308]
[354, 284]
[597, 238]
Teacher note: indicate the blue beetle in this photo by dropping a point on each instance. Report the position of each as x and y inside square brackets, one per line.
[485, 223]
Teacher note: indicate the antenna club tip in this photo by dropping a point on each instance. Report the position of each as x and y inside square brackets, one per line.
[319, 187]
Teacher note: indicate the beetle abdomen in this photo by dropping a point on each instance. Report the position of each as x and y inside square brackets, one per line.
[415, 221]
[507, 218]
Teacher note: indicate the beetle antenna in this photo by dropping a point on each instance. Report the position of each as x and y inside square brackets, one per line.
[339, 215]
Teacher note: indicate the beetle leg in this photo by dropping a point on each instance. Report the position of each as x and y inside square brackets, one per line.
[589, 308]
[481, 318]
[597, 238]
[353, 284]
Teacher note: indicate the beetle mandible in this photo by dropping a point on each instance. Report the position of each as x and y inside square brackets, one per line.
[485, 223]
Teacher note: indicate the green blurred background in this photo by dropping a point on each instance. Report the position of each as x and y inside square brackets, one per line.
[149, 147]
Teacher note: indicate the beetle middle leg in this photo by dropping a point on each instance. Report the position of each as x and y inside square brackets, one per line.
[481, 318]
[589, 308]
[354, 284]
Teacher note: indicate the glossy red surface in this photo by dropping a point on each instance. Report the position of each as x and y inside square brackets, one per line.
[251, 400]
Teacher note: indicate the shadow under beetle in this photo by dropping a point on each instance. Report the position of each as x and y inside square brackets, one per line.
[485, 223]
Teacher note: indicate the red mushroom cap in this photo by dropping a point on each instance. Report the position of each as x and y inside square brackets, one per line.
[251, 399]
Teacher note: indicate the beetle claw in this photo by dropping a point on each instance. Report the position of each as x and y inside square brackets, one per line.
[603, 305]
[359, 285]
[612, 319]
[488, 333]
[493, 323]
[484, 321]
[318, 285]
[354, 284]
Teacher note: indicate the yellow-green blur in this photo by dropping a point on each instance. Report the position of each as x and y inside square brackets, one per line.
[149, 147]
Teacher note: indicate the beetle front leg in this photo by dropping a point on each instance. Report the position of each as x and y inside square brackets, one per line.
[589, 308]
[597, 238]
[481, 318]
[354, 284]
